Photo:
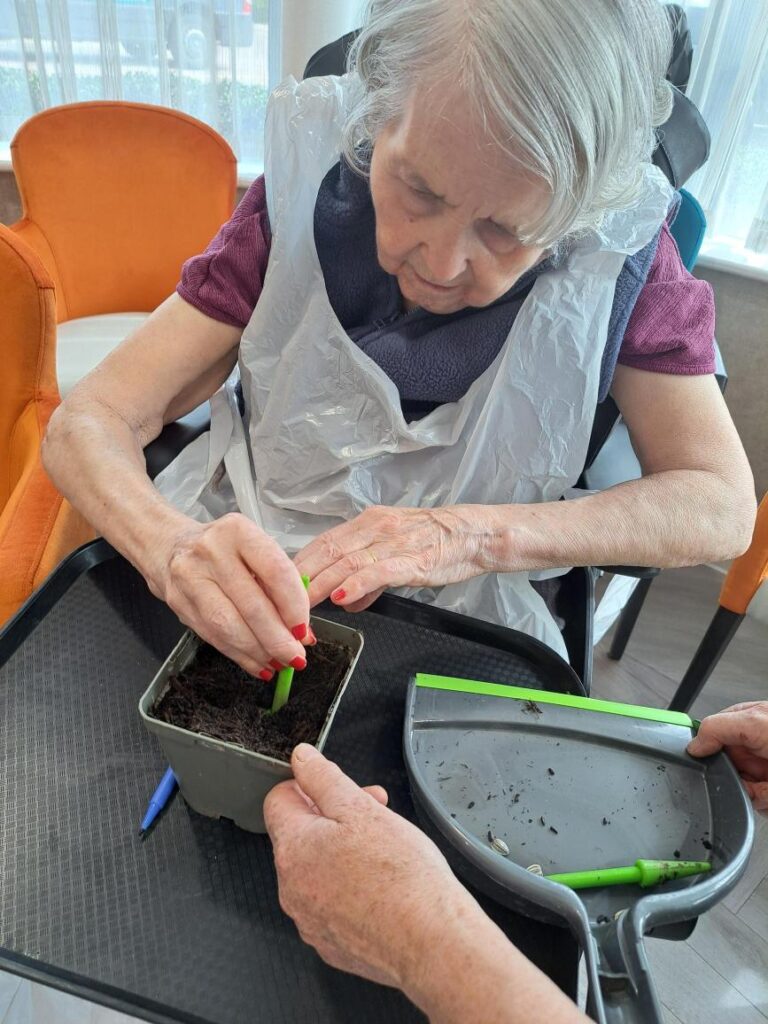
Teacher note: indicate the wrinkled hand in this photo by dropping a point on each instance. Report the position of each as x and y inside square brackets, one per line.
[398, 547]
[363, 885]
[743, 731]
[232, 584]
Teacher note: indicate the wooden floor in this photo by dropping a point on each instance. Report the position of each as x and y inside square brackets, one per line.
[720, 975]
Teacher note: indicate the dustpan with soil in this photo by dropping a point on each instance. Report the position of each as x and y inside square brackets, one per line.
[515, 785]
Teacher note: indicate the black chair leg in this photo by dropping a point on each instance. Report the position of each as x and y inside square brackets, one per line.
[628, 618]
[710, 651]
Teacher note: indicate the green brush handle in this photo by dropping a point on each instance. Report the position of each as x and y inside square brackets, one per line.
[642, 872]
[285, 676]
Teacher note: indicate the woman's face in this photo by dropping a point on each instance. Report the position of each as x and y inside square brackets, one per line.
[448, 206]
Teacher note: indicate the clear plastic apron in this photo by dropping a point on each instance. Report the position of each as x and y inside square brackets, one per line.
[324, 436]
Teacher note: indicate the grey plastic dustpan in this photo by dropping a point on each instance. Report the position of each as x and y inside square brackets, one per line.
[571, 784]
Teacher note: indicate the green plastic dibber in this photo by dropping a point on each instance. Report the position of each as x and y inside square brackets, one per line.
[643, 873]
[285, 675]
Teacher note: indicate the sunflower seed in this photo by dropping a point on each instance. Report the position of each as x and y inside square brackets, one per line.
[499, 845]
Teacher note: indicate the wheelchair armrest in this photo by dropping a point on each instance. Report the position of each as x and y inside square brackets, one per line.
[174, 437]
[638, 572]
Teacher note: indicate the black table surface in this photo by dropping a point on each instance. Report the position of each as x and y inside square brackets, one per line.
[186, 925]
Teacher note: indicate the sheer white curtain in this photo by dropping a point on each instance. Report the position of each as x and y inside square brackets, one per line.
[729, 84]
[214, 59]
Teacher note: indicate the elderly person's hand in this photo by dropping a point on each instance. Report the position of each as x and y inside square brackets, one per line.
[226, 579]
[393, 547]
[375, 897]
[743, 731]
[235, 586]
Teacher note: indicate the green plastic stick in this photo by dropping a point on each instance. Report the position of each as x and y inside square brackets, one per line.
[642, 872]
[285, 676]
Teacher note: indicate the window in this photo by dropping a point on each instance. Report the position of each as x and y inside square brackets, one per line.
[729, 84]
[213, 59]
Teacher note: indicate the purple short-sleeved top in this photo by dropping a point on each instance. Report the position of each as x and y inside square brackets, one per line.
[670, 329]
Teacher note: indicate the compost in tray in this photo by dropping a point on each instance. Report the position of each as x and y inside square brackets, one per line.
[215, 697]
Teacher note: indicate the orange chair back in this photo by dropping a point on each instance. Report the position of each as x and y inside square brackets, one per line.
[28, 390]
[115, 197]
[37, 527]
[749, 570]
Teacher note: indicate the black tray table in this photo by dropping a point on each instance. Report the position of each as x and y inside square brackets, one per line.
[186, 925]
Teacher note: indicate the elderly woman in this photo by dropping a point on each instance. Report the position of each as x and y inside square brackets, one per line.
[456, 251]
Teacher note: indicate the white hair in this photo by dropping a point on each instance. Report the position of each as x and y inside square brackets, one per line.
[571, 90]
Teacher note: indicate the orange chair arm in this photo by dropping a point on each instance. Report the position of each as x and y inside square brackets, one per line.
[38, 528]
[749, 570]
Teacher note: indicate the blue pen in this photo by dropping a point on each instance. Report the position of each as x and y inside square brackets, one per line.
[160, 798]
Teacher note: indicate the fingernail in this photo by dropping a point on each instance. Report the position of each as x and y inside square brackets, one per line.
[304, 752]
[275, 664]
[266, 675]
[312, 637]
[300, 631]
[299, 663]
[338, 595]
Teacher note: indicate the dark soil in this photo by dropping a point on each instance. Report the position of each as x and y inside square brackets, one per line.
[217, 698]
[531, 708]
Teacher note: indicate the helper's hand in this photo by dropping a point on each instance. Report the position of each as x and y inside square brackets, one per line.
[398, 547]
[232, 584]
[364, 886]
[743, 731]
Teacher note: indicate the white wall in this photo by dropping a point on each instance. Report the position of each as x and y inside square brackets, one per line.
[310, 24]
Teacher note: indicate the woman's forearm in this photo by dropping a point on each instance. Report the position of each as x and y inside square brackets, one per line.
[673, 518]
[96, 460]
[93, 450]
[469, 971]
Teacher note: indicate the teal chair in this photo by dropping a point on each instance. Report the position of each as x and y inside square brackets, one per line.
[688, 229]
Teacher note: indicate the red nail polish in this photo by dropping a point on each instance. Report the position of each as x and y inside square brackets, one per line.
[266, 675]
[299, 663]
[300, 631]
[338, 595]
[275, 664]
[312, 637]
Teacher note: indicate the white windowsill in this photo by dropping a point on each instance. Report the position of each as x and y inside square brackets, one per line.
[732, 266]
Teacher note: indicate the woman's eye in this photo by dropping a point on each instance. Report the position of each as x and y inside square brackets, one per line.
[422, 192]
[497, 236]
[500, 230]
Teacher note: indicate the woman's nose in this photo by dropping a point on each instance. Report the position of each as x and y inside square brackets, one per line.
[445, 255]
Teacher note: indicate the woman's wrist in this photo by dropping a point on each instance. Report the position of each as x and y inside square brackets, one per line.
[448, 948]
[500, 536]
[149, 540]
[467, 969]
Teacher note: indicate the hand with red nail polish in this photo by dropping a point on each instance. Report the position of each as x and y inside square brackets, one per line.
[356, 562]
[235, 586]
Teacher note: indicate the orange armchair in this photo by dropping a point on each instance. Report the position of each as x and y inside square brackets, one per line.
[115, 197]
[37, 526]
[745, 576]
